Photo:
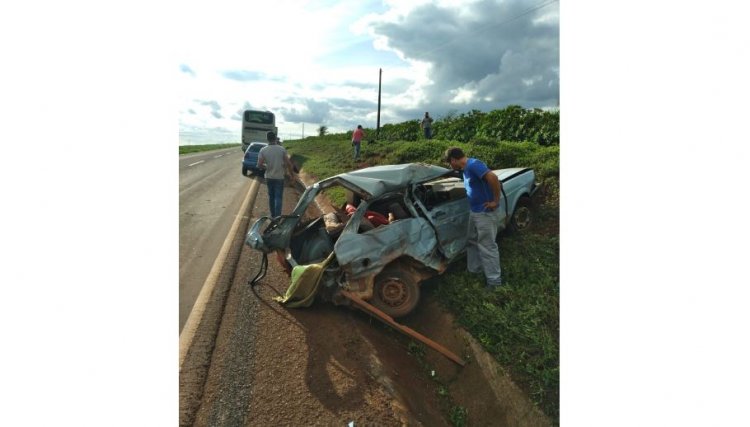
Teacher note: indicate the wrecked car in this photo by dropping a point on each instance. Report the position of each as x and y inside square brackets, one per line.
[401, 225]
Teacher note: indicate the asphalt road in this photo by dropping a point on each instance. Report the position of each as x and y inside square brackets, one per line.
[212, 189]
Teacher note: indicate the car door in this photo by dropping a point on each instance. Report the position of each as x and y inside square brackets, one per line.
[446, 207]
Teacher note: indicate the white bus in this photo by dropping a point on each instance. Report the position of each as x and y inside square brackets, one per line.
[255, 125]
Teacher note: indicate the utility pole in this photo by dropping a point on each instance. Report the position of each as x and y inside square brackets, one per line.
[303, 130]
[380, 80]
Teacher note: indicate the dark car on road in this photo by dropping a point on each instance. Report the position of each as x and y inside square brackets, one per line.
[250, 161]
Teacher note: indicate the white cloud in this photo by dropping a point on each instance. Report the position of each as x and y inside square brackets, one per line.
[463, 95]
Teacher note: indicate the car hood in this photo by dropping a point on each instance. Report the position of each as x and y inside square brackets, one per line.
[379, 180]
[503, 174]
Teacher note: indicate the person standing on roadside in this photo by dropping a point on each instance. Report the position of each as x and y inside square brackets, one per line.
[275, 160]
[357, 137]
[426, 125]
[483, 189]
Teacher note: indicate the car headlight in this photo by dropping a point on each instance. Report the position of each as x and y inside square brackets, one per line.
[254, 238]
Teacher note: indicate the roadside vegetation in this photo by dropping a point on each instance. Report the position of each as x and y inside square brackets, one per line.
[519, 323]
[185, 149]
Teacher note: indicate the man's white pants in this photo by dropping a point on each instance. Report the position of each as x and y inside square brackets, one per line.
[482, 252]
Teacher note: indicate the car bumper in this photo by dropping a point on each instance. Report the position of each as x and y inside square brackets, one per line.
[534, 188]
[252, 166]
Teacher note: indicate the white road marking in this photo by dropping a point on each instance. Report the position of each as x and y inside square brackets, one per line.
[216, 157]
[196, 163]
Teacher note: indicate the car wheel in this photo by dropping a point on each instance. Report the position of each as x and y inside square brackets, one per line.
[523, 215]
[395, 294]
[244, 171]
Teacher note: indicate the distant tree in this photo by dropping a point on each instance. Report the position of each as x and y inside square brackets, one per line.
[322, 130]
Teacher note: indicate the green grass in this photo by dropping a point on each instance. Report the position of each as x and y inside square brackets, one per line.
[519, 323]
[322, 156]
[185, 149]
[458, 416]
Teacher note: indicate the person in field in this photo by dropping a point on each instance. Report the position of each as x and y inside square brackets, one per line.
[357, 137]
[426, 125]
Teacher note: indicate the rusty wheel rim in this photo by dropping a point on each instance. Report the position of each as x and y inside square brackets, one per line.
[523, 217]
[393, 292]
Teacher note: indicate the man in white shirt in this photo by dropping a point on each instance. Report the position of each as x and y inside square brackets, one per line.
[275, 159]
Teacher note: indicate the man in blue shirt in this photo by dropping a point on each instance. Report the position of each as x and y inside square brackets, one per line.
[483, 190]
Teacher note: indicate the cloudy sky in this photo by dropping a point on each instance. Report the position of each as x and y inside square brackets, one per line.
[316, 62]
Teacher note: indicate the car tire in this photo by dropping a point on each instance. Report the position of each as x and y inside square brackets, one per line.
[395, 293]
[244, 171]
[523, 216]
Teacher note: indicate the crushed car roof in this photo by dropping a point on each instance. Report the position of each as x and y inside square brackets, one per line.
[379, 180]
